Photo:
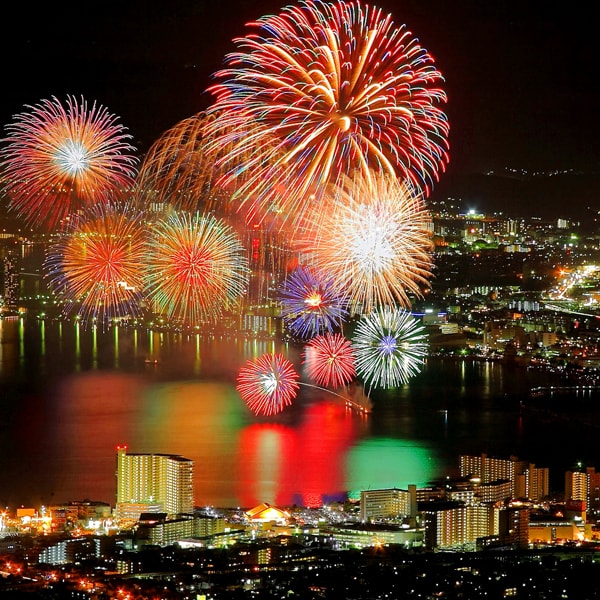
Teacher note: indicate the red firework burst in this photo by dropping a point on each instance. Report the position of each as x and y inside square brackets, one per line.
[329, 360]
[268, 384]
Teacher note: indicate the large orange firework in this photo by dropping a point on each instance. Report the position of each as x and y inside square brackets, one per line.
[178, 170]
[376, 243]
[184, 167]
[195, 268]
[95, 265]
[58, 158]
[329, 88]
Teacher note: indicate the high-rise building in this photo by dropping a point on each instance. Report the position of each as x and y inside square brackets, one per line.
[576, 485]
[537, 482]
[11, 281]
[593, 499]
[390, 503]
[453, 524]
[526, 480]
[153, 483]
[514, 526]
[494, 491]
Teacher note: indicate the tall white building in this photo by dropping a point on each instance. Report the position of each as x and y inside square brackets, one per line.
[153, 483]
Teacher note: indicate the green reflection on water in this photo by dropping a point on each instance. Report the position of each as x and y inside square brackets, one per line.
[382, 463]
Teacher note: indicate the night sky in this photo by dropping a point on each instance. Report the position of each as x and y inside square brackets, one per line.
[522, 77]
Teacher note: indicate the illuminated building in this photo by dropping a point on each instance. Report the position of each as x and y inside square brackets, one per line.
[490, 469]
[155, 529]
[494, 491]
[76, 550]
[11, 280]
[576, 485]
[537, 482]
[496, 335]
[577, 493]
[454, 525]
[593, 496]
[79, 512]
[187, 531]
[388, 504]
[526, 480]
[375, 535]
[550, 532]
[266, 513]
[514, 526]
[153, 483]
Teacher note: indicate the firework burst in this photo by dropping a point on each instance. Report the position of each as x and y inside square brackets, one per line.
[329, 88]
[376, 243]
[268, 384]
[310, 304]
[329, 360]
[179, 170]
[95, 266]
[390, 347]
[195, 268]
[59, 158]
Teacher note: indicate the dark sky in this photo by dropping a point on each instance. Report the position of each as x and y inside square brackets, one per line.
[522, 76]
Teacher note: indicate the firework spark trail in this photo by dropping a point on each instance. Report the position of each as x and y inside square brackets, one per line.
[390, 347]
[310, 303]
[181, 170]
[195, 268]
[332, 88]
[376, 242]
[176, 170]
[59, 158]
[95, 266]
[330, 360]
[268, 384]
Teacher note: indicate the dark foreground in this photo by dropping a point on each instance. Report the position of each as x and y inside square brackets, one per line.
[284, 570]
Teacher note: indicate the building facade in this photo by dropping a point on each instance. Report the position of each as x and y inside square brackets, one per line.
[153, 483]
[454, 525]
[391, 503]
[526, 480]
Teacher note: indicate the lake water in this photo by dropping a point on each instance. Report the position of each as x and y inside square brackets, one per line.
[69, 396]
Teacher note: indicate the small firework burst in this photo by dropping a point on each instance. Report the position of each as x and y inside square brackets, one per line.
[330, 360]
[310, 303]
[390, 346]
[268, 384]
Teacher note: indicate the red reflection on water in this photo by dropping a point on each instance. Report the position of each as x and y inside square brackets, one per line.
[327, 432]
[264, 451]
[304, 466]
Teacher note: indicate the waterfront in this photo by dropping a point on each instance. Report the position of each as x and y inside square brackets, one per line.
[70, 395]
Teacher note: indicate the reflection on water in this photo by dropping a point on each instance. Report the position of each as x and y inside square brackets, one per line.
[70, 395]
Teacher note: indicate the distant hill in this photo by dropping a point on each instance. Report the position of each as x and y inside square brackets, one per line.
[566, 195]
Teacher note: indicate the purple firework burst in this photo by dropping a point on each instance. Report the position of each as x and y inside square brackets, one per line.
[310, 304]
